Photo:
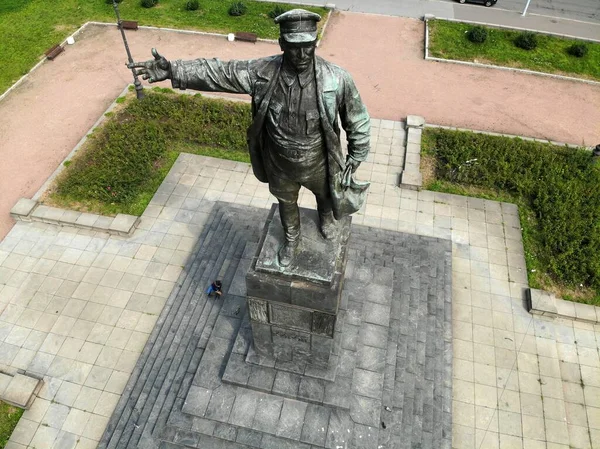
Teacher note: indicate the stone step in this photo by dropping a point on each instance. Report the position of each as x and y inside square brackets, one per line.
[174, 380]
[155, 342]
[160, 379]
[19, 390]
[176, 342]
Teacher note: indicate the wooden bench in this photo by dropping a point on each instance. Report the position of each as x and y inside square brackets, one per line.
[54, 52]
[129, 24]
[246, 37]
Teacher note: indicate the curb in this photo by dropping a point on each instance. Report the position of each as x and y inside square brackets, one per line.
[411, 177]
[30, 210]
[499, 67]
[540, 302]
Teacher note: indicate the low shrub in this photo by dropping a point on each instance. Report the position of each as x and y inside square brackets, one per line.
[277, 11]
[578, 50]
[148, 3]
[559, 184]
[237, 9]
[477, 35]
[527, 41]
[192, 5]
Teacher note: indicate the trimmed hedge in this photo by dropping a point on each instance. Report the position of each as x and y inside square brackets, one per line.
[477, 35]
[237, 9]
[560, 184]
[527, 41]
[578, 50]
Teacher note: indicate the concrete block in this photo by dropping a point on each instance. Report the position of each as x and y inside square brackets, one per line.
[413, 158]
[69, 217]
[23, 209]
[21, 391]
[414, 135]
[102, 223]
[4, 381]
[540, 302]
[415, 121]
[124, 224]
[413, 148]
[53, 215]
[585, 312]
[411, 180]
[86, 220]
[565, 308]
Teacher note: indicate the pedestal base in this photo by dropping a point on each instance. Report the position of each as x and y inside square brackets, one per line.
[293, 310]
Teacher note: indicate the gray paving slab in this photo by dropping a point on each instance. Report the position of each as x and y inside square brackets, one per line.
[176, 394]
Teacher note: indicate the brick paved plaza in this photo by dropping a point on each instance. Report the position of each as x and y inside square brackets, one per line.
[77, 307]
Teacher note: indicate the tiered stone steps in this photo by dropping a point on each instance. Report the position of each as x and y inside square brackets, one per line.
[177, 343]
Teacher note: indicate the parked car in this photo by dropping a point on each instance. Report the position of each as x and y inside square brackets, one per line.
[483, 2]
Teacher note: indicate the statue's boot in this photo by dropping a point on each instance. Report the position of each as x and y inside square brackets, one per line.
[328, 225]
[287, 252]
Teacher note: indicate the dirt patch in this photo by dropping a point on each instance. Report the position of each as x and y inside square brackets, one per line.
[427, 169]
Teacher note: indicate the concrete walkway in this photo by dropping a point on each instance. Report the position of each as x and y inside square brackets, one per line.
[77, 308]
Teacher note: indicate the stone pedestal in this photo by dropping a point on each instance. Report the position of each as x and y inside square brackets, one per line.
[293, 310]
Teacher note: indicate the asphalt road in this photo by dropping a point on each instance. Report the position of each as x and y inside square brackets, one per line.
[577, 18]
[585, 10]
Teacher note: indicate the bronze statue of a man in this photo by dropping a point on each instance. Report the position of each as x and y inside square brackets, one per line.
[294, 139]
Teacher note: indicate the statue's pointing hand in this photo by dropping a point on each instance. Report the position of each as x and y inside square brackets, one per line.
[154, 70]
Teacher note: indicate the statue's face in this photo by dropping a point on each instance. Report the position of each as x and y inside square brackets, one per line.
[299, 56]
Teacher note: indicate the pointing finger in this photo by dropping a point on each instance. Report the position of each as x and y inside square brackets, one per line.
[156, 55]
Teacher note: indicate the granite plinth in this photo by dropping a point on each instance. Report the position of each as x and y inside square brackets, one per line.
[293, 309]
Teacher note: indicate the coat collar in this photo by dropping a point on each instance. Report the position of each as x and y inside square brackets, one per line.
[270, 68]
[327, 81]
[289, 76]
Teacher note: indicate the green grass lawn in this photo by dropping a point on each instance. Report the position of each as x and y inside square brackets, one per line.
[29, 27]
[125, 160]
[555, 189]
[449, 40]
[9, 417]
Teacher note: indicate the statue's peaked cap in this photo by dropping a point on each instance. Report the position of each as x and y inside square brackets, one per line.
[298, 25]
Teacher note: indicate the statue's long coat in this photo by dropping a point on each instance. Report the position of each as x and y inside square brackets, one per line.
[336, 94]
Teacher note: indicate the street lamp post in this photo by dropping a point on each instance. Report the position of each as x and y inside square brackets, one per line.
[526, 7]
[139, 90]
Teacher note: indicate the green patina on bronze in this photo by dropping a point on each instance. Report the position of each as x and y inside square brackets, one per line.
[299, 101]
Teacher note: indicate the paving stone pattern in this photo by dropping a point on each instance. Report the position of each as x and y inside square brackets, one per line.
[519, 381]
[179, 339]
[393, 385]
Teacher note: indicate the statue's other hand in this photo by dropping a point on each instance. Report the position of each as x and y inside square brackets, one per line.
[154, 70]
[352, 163]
